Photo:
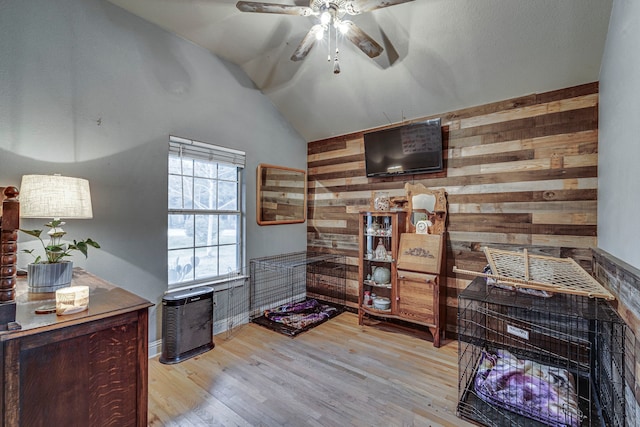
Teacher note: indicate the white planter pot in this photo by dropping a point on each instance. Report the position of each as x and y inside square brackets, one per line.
[49, 277]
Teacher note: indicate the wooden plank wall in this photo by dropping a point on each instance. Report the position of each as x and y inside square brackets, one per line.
[518, 173]
[624, 281]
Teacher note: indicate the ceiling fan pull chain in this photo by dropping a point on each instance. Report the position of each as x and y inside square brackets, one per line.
[329, 45]
[336, 64]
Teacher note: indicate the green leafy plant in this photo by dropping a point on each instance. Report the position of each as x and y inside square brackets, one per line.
[56, 251]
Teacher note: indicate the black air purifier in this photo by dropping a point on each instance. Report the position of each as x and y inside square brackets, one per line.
[187, 324]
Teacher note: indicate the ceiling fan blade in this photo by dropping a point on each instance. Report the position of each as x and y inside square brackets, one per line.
[362, 40]
[285, 9]
[357, 7]
[307, 43]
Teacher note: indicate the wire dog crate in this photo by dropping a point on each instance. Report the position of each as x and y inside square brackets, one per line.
[526, 360]
[293, 277]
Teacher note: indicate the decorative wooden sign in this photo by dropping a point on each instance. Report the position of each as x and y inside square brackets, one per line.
[420, 252]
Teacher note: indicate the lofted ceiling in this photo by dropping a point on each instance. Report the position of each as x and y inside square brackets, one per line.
[439, 55]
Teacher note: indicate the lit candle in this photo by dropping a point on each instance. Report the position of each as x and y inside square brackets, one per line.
[73, 299]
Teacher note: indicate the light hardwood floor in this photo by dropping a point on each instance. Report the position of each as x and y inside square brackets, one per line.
[337, 374]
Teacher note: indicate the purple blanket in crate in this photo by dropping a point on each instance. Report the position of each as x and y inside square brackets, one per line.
[537, 391]
[302, 314]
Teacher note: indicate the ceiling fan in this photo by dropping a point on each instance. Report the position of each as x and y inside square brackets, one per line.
[330, 13]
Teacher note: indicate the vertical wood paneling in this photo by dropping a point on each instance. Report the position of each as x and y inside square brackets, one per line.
[518, 173]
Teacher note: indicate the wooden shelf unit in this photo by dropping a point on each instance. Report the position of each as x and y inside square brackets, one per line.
[414, 295]
[378, 228]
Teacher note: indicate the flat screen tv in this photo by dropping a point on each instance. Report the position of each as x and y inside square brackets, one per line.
[408, 149]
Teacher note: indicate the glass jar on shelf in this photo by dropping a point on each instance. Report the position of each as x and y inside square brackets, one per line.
[381, 201]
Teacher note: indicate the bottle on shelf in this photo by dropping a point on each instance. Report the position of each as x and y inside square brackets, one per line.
[367, 298]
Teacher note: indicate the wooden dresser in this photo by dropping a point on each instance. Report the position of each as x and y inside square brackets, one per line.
[84, 369]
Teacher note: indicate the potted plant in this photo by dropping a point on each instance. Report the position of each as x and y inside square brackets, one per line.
[54, 271]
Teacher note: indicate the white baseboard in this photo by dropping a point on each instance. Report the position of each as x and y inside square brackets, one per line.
[155, 348]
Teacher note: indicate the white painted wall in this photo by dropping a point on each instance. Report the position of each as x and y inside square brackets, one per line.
[89, 90]
[619, 145]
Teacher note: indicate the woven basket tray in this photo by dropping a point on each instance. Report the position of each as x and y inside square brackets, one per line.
[523, 270]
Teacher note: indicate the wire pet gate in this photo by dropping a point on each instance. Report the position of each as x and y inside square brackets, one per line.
[293, 278]
[231, 303]
[580, 335]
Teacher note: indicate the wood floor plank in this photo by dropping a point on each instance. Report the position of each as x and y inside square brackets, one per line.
[337, 374]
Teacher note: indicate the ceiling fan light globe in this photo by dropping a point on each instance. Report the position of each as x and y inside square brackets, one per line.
[320, 34]
[325, 18]
[343, 27]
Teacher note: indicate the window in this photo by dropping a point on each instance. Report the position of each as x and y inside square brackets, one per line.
[205, 229]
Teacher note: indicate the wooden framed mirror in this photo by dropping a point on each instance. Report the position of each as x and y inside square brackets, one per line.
[281, 195]
[426, 205]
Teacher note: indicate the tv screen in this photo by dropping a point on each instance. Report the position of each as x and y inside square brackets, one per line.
[408, 149]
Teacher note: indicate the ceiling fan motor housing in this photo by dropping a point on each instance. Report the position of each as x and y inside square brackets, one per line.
[335, 8]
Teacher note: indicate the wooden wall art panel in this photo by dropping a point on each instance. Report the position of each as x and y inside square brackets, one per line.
[281, 195]
[520, 173]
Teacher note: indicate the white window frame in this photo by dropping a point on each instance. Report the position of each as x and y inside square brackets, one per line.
[196, 150]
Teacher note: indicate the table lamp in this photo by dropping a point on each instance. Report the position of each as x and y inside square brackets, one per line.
[54, 197]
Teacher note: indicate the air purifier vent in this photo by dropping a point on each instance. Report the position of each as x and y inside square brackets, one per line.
[187, 324]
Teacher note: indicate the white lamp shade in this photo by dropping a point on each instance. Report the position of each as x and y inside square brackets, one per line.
[55, 196]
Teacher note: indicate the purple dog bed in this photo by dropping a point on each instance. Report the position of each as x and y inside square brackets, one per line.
[292, 319]
[531, 389]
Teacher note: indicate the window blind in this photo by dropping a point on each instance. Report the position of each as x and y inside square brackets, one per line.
[201, 150]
